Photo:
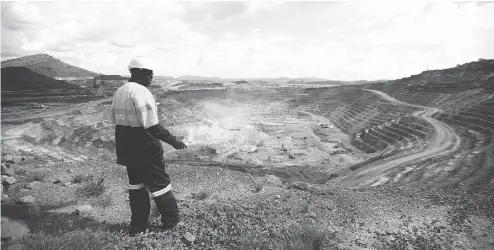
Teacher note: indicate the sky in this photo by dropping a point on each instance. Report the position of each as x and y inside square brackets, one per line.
[333, 40]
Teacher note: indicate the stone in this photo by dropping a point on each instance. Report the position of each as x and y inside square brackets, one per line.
[32, 185]
[188, 239]
[6, 170]
[8, 158]
[273, 180]
[13, 230]
[5, 198]
[20, 170]
[27, 199]
[67, 184]
[18, 158]
[9, 180]
[17, 247]
[299, 185]
[83, 210]
[251, 149]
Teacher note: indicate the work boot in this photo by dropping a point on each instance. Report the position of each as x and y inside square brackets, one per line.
[168, 208]
[140, 208]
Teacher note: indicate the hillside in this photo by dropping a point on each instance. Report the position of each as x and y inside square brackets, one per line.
[21, 78]
[21, 86]
[47, 65]
[197, 78]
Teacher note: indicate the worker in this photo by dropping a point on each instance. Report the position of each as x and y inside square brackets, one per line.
[137, 137]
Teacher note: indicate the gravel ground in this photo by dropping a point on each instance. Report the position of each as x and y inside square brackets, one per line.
[242, 211]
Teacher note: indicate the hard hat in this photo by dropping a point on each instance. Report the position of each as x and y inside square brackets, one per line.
[140, 63]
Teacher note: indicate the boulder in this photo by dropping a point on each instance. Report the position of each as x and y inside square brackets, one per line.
[83, 210]
[6, 170]
[20, 170]
[299, 185]
[273, 180]
[8, 180]
[188, 239]
[8, 158]
[27, 199]
[32, 185]
[13, 230]
[18, 158]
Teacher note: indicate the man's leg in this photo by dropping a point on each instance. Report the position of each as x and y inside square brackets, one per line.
[158, 183]
[139, 201]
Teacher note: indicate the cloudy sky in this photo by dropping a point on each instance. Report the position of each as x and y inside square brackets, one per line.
[334, 40]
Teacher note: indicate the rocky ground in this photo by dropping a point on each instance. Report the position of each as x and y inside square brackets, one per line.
[55, 205]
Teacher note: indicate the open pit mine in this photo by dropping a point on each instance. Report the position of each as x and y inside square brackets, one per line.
[399, 164]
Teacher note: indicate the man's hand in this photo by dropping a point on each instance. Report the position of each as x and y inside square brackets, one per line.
[175, 142]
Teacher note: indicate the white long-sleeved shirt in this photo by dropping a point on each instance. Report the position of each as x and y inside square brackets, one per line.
[134, 105]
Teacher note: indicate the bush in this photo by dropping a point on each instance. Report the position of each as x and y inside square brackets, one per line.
[299, 237]
[305, 237]
[92, 187]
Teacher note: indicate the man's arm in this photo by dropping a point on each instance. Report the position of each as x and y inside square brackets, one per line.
[162, 134]
[147, 114]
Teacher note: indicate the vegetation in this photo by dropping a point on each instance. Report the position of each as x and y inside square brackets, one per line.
[92, 187]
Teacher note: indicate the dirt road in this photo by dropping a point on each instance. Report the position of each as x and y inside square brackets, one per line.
[444, 141]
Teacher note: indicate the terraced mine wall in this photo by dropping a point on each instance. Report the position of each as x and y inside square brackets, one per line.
[465, 97]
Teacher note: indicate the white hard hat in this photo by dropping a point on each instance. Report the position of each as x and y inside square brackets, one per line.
[140, 63]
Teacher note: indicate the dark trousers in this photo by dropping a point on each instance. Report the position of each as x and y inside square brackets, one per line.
[155, 181]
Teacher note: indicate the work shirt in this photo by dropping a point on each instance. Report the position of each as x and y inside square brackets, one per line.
[133, 110]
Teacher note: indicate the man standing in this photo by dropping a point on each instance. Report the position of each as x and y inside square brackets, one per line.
[137, 137]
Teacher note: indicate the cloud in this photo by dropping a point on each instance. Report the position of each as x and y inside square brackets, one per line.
[20, 15]
[338, 40]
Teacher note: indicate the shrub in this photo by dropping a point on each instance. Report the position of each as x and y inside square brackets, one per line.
[299, 237]
[92, 187]
[305, 237]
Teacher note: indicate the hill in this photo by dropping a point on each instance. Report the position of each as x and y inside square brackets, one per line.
[21, 78]
[47, 65]
[164, 78]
